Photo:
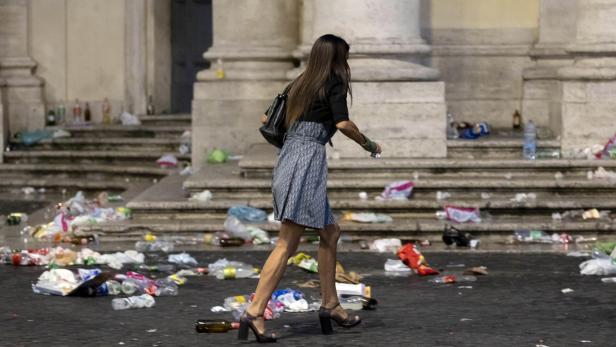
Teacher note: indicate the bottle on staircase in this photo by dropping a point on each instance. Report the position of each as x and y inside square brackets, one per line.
[87, 114]
[60, 114]
[77, 112]
[517, 120]
[150, 108]
[51, 119]
[106, 111]
[530, 141]
[220, 69]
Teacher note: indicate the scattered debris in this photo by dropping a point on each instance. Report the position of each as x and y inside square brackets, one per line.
[567, 290]
[247, 213]
[167, 161]
[367, 217]
[203, 196]
[386, 245]
[412, 257]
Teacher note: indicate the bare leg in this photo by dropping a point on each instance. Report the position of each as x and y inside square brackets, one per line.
[327, 268]
[273, 269]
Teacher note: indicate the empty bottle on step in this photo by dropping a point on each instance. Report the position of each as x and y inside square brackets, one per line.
[530, 141]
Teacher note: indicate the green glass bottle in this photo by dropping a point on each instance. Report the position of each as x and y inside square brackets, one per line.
[215, 326]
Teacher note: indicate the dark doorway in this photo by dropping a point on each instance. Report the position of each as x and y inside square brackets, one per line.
[191, 36]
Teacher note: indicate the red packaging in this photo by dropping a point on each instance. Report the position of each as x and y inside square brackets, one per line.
[412, 257]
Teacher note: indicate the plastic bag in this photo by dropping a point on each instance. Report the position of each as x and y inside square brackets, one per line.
[399, 190]
[368, 217]
[167, 160]
[599, 266]
[182, 259]
[247, 213]
[235, 228]
[463, 214]
[129, 119]
[386, 245]
[217, 156]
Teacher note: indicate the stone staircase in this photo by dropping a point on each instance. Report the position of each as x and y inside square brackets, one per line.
[468, 181]
[96, 157]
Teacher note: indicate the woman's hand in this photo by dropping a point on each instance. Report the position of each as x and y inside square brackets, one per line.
[349, 129]
[263, 119]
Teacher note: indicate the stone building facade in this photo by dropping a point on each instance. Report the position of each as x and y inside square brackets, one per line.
[412, 62]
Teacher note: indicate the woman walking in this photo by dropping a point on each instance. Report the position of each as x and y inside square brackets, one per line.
[316, 109]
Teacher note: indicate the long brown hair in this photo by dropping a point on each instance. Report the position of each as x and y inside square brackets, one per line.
[328, 58]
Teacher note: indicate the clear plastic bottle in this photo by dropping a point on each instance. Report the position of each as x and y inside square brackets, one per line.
[530, 141]
[231, 272]
[130, 286]
[166, 288]
[141, 301]
[452, 132]
[114, 287]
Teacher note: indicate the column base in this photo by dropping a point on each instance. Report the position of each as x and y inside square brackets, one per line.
[225, 114]
[588, 112]
[23, 95]
[408, 119]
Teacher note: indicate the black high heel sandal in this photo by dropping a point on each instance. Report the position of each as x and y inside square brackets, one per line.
[326, 318]
[246, 321]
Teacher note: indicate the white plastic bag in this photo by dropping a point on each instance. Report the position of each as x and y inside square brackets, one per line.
[129, 119]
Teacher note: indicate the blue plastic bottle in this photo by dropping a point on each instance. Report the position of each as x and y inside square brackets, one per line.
[530, 141]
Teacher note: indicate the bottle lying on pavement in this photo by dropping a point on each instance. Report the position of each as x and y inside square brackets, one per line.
[452, 279]
[141, 301]
[215, 326]
[357, 302]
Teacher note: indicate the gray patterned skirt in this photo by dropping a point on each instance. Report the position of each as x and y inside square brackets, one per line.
[299, 184]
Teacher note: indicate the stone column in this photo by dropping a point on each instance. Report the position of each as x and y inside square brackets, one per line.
[136, 58]
[589, 86]
[396, 98]
[541, 94]
[254, 39]
[306, 28]
[23, 91]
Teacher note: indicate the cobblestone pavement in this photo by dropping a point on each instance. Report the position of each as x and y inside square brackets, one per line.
[520, 303]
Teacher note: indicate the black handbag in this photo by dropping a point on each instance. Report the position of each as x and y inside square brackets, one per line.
[274, 129]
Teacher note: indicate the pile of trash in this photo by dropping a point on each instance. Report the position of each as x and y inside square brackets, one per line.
[581, 215]
[78, 212]
[540, 236]
[59, 256]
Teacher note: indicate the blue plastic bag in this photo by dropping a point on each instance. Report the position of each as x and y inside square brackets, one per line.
[248, 214]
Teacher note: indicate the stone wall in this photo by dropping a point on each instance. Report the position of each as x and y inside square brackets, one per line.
[85, 49]
[481, 48]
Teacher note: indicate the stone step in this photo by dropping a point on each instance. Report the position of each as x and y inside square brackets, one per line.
[260, 160]
[140, 158]
[542, 206]
[489, 148]
[69, 185]
[564, 186]
[77, 171]
[183, 119]
[116, 130]
[502, 227]
[102, 143]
